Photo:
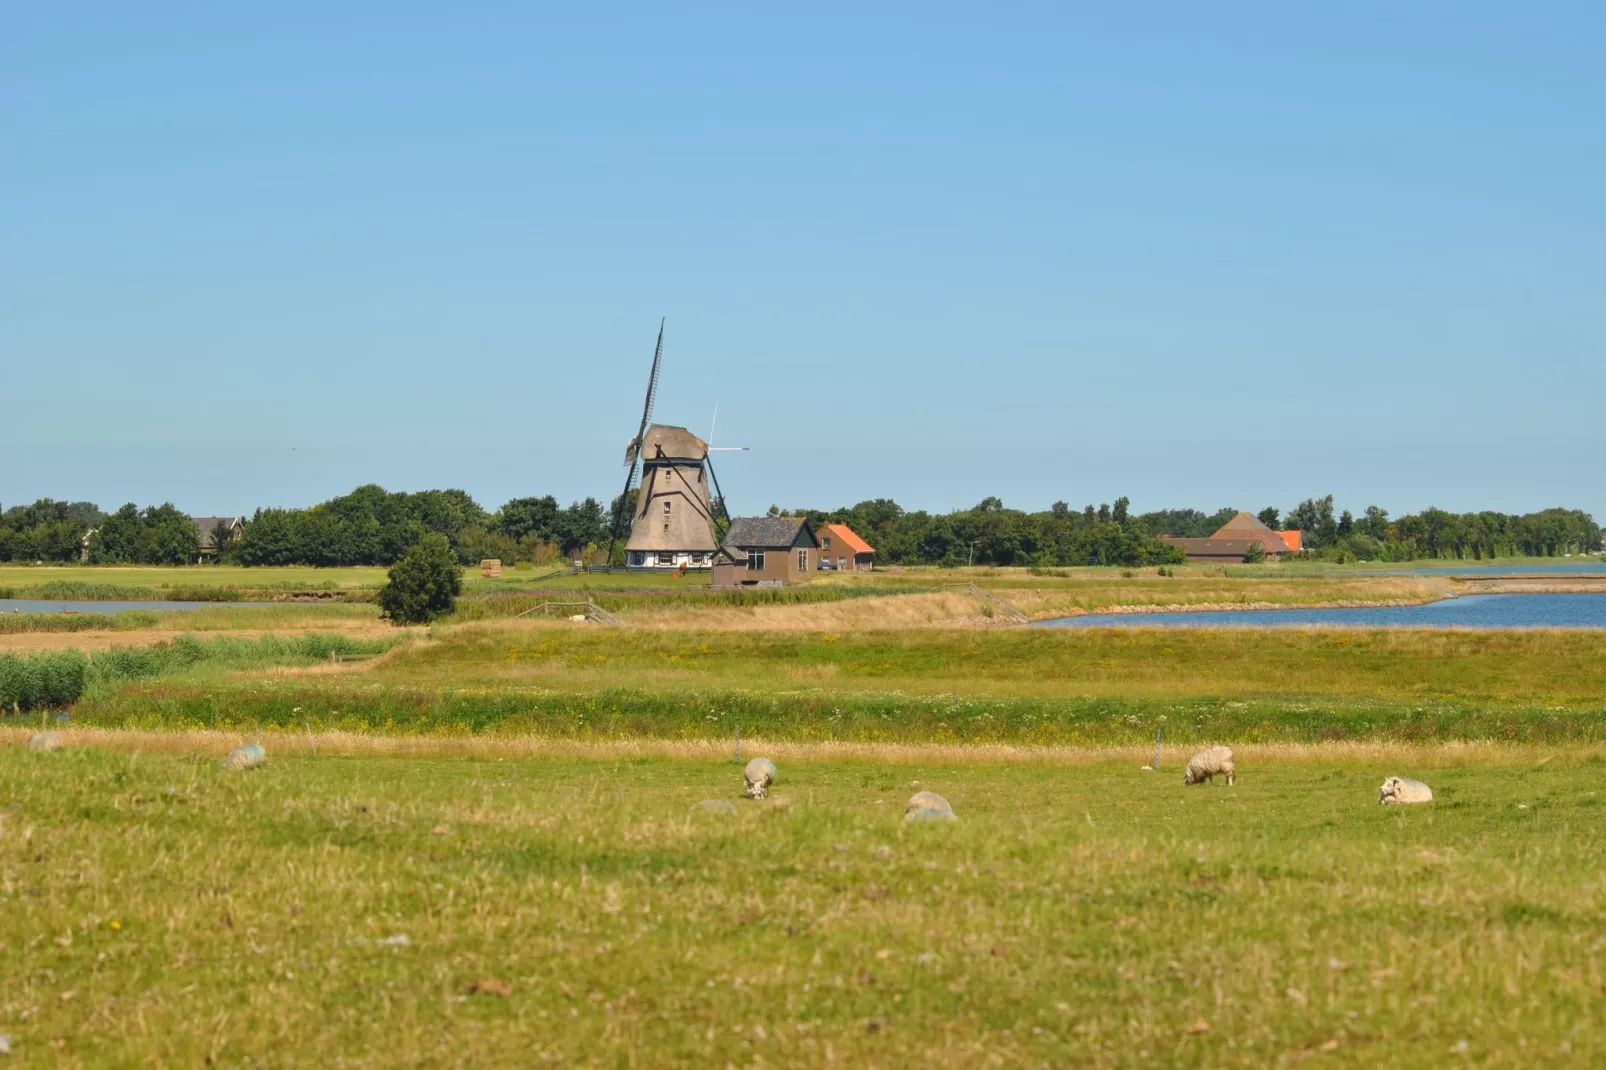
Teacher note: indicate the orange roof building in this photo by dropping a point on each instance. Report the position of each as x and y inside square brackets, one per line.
[842, 550]
[1233, 540]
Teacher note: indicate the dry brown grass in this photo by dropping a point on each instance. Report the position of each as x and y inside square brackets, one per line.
[1043, 600]
[355, 744]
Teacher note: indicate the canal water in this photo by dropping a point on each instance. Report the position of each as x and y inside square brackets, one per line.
[55, 605]
[1473, 611]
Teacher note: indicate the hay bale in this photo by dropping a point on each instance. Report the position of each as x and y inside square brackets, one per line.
[47, 741]
[491, 568]
[249, 756]
[759, 774]
[928, 806]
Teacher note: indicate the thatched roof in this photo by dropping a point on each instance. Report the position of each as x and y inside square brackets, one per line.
[666, 442]
[1249, 526]
[687, 523]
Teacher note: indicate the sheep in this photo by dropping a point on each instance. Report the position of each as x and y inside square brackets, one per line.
[47, 741]
[1207, 763]
[928, 806]
[250, 756]
[1399, 790]
[759, 774]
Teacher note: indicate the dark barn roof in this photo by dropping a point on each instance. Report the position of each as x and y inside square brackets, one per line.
[770, 532]
[1214, 548]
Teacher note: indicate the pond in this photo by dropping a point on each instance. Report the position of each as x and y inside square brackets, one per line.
[56, 605]
[1473, 611]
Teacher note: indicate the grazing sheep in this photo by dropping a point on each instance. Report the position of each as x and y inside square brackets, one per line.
[47, 741]
[1208, 763]
[760, 774]
[1398, 790]
[249, 756]
[928, 806]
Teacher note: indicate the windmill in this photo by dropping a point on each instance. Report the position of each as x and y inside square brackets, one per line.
[672, 524]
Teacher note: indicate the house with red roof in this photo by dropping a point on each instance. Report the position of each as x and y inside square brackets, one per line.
[1233, 541]
[841, 549]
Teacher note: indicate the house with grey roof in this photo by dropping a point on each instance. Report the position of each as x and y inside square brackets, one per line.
[766, 551]
[206, 529]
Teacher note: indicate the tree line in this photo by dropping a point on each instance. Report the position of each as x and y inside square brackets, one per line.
[373, 526]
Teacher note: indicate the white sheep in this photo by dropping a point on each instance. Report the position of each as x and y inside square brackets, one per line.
[759, 774]
[1399, 790]
[47, 741]
[1208, 763]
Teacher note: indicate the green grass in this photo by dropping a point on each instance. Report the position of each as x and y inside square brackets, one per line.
[154, 908]
[221, 617]
[55, 679]
[976, 686]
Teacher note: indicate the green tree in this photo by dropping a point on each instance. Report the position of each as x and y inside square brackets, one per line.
[1270, 517]
[1255, 554]
[424, 584]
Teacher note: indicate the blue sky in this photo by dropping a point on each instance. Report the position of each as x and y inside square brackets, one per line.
[1195, 254]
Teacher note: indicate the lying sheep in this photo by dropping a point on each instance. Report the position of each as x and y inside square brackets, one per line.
[1207, 763]
[760, 774]
[250, 756]
[1398, 790]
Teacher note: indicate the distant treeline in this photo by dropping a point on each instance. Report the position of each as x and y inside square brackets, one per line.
[1061, 536]
[372, 526]
[1434, 533]
[50, 530]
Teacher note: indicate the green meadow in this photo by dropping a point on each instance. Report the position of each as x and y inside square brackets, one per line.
[1018, 686]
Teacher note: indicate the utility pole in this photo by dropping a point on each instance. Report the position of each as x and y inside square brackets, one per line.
[971, 560]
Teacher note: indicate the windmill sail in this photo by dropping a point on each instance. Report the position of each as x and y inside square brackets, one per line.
[633, 451]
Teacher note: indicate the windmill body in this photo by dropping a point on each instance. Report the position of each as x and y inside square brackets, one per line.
[673, 522]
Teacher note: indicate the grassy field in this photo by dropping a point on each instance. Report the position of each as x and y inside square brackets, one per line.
[479, 844]
[388, 911]
[1041, 687]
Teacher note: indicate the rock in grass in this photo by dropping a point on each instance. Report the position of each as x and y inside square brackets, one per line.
[1400, 790]
[759, 774]
[47, 741]
[928, 806]
[249, 756]
[722, 807]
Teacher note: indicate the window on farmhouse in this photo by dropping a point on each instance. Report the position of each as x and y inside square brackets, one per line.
[803, 560]
[755, 560]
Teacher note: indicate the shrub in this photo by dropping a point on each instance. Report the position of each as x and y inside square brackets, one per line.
[1255, 554]
[424, 584]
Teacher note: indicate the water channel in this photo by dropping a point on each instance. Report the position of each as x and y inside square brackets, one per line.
[1471, 611]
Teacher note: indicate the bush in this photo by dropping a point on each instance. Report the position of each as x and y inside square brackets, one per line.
[1255, 554]
[424, 584]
